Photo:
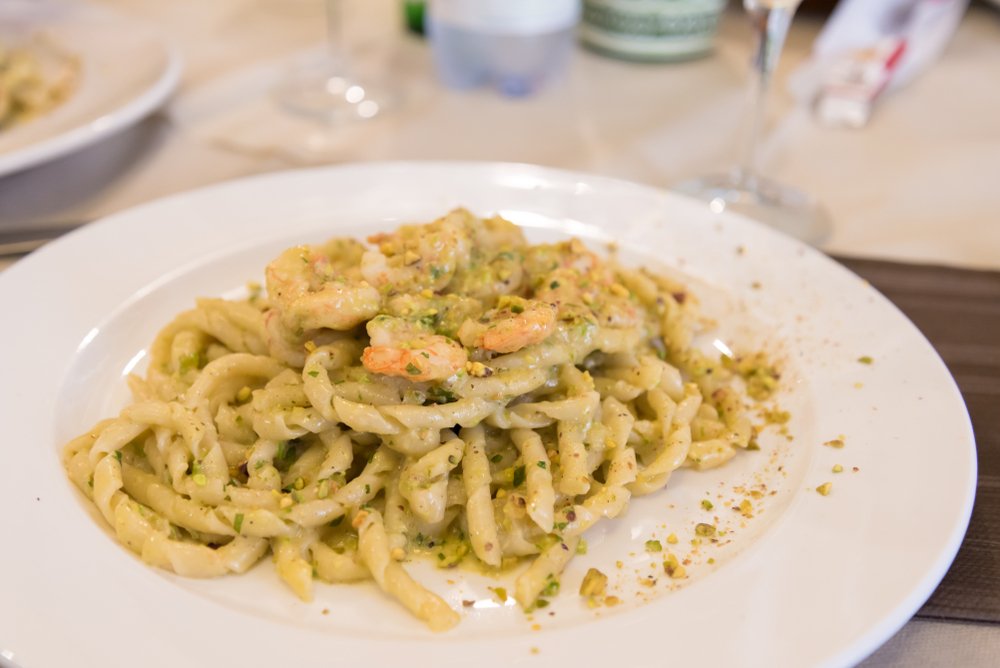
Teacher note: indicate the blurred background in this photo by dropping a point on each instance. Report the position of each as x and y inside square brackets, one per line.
[929, 151]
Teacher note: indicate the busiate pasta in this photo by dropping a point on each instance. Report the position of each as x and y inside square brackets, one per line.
[450, 390]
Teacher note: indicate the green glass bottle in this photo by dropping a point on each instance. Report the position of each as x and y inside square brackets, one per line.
[413, 10]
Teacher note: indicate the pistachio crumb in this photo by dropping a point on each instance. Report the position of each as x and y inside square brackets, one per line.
[478, 369]
[703, 529]
[825, 488]
[594, 584]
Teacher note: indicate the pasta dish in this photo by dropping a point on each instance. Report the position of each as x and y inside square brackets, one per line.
[33, 80]
[448, 391]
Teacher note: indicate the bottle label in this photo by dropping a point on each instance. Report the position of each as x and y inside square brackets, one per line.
[651, 29]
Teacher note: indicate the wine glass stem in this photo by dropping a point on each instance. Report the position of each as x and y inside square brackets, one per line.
[770, 26]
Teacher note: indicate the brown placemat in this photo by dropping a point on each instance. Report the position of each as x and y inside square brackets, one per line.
[958, 311]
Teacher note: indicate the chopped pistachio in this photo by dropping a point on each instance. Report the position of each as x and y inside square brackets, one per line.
[653, 546]
[594, 583]
[825, 488]
[670, 564]
[703, 529]
[775, 416]
[835, 443]
[672, 539]
[865, 359]
[706, 504]
[478, 369]
[837, 468]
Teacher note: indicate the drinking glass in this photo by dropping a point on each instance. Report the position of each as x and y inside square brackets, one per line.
[743, 189]
[331, 87]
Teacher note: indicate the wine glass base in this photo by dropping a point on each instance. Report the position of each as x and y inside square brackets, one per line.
[321, 90]
[779, 206]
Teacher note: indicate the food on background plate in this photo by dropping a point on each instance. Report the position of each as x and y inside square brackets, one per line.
[35, 77]
[448, 391]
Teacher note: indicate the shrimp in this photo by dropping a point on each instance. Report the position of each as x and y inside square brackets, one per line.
[417, 257]
[580, 285]
[442, 313]
[404, 348]
[491, 236]
[315, 287]
[569, 255]
[514, 324]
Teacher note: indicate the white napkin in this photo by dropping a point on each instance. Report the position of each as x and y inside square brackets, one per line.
[923, 26]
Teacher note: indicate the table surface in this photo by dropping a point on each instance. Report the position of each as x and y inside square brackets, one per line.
[915, 185]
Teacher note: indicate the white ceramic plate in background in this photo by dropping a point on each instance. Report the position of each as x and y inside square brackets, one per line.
[810, 580]
[109, 95]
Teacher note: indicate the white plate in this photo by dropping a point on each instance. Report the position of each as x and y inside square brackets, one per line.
[127, 70]
[810, 580]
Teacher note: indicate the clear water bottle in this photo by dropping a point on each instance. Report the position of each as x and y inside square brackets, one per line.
[512, 45]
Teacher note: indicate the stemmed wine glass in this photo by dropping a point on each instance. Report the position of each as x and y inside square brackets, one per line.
[743, 189]
[330, 87]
